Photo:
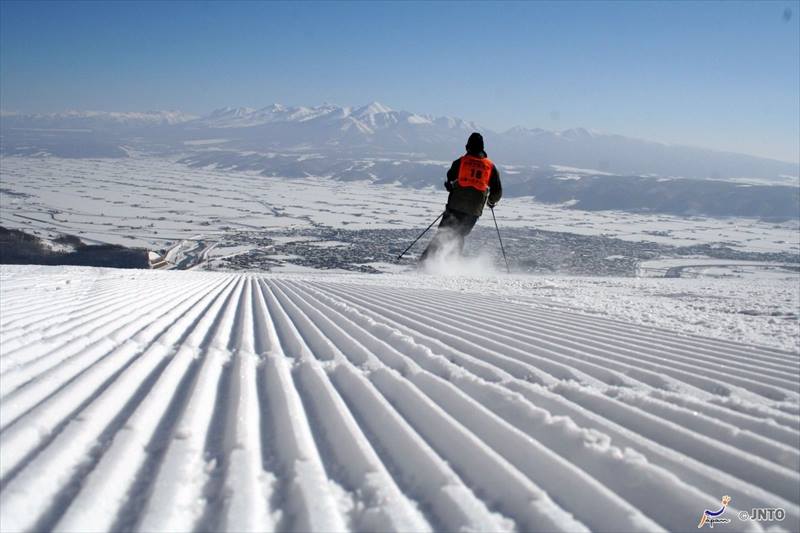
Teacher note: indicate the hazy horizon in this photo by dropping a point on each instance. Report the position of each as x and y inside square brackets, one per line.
[722, 76]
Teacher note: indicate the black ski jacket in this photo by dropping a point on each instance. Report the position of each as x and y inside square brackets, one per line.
[469, 200]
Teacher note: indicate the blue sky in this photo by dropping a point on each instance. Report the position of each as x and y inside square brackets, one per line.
[723, 75]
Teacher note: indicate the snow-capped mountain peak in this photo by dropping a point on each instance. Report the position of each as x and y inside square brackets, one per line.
[232, 112]
[577, 134]
[373, 108]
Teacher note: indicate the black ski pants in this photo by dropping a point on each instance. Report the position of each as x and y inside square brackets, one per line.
[455, 226]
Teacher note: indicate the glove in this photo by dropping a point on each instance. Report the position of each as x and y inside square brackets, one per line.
[491, 204]
[448, 185]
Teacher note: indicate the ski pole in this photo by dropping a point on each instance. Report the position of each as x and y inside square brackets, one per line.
[418, 238]
[501, 240]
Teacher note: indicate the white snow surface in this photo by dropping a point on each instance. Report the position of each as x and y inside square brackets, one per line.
[761, 308]
[157, 203]
[200, 401]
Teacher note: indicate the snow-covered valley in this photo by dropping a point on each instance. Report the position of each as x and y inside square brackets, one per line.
[197, 401]
[203, 215]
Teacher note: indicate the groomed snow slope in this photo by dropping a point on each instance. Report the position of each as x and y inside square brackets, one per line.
[192, 401]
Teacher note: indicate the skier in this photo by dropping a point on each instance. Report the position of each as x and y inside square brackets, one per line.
[472, 181]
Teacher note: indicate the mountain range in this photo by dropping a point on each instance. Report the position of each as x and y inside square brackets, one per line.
[377, 131]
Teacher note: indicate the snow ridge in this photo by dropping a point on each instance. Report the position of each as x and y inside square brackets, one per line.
[246, 402]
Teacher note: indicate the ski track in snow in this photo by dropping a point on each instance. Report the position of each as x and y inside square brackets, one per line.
[195, 401]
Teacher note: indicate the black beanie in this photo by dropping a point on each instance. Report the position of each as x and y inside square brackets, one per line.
[475, 143]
